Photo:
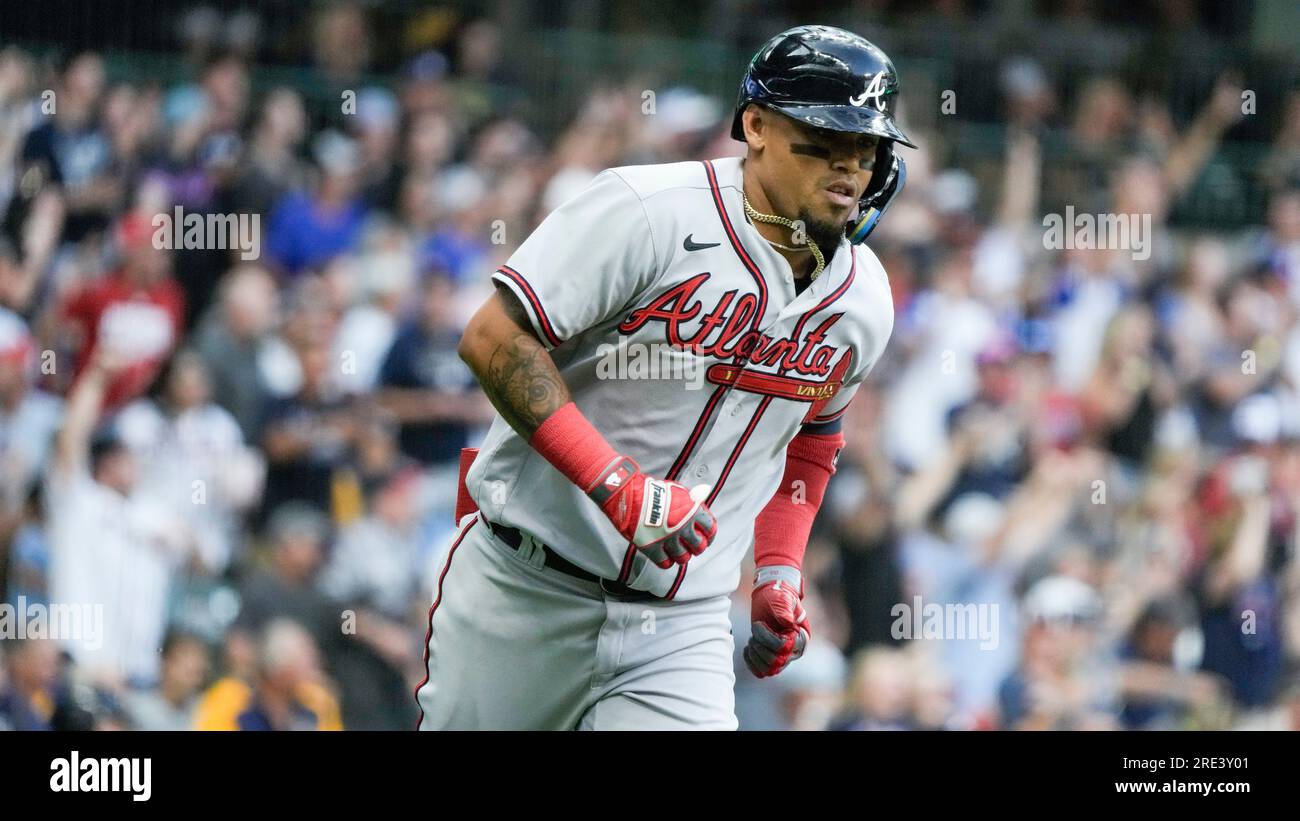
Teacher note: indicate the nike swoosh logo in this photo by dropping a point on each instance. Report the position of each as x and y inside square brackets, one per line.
[691, 245]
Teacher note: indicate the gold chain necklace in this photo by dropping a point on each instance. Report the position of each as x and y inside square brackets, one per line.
[782, 221]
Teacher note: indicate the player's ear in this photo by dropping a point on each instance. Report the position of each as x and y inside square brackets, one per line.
[757, 126]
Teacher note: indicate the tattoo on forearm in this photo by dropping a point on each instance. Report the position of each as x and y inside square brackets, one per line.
[520, 379]
[523, 384]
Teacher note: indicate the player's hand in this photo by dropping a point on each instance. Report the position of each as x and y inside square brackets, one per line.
[779, 630]
[667, 521]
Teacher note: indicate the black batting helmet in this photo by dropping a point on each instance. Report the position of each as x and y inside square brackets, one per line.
[831, 78]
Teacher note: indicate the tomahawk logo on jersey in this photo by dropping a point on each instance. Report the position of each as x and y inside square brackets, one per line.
[614, 266]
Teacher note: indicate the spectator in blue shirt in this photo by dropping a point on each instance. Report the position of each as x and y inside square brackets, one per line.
[306, 230]
[426, 386]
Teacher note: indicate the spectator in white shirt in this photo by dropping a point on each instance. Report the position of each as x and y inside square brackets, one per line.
[114, 550]
[191, 454]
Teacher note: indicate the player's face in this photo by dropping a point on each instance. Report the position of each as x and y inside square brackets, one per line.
[823, 173]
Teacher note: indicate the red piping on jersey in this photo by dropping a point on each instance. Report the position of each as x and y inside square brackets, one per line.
[735, 244]
[695, 433]
[830, 298]
[626, 569]
[726, 471]
[542, 319]
[740, 445]
[676, 469]
[428, 636]
[672, 591]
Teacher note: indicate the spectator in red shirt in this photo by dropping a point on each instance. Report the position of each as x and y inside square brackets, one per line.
[137, 310]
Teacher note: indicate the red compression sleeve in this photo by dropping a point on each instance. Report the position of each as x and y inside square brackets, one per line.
[782, 528]
[576, 449]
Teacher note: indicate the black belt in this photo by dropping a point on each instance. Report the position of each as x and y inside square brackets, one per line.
[515, 537]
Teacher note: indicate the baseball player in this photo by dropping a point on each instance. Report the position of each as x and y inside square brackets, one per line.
[591, 587]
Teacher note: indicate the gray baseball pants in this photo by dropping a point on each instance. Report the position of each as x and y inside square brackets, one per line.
[515, 645]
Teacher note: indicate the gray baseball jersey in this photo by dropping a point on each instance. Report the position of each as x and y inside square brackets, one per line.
[679, 332]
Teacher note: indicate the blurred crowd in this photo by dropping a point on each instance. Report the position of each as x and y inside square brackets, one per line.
[251, 463]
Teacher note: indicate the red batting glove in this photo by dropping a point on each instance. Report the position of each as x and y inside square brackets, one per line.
[667, 521]
[780, 629]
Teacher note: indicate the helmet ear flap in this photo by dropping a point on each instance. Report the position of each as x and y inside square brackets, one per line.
[880, 192]
[884, 160]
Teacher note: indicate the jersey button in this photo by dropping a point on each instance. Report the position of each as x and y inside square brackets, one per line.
[701, 472]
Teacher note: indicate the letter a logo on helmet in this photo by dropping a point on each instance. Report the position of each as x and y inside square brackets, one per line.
[830, 78]
[874, 91]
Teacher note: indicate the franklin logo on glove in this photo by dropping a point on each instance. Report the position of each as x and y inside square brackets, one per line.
[655, 514]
